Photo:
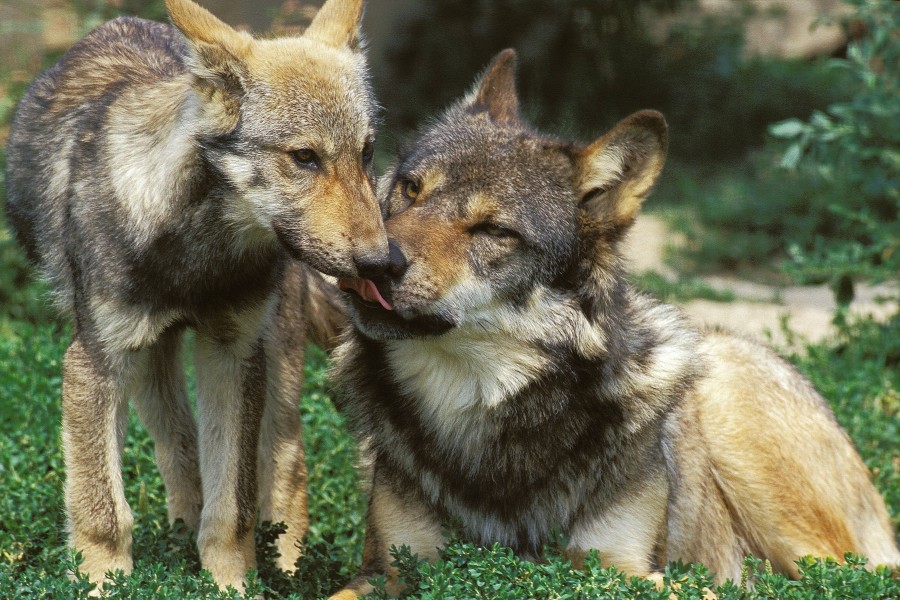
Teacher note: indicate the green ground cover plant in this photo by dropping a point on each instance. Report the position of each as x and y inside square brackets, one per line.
[859, 374]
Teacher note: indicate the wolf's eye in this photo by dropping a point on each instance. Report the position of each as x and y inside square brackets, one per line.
[410, 189]
[306, 158]
[493, 230]
[367, 153]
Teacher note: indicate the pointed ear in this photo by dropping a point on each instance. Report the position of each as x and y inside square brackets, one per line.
[217, 60]
[617, 171]
[495, 92]
[337, 24]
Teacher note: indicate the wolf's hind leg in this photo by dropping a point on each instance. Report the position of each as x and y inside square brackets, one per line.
[790, 474]
[282, 460]
[161, 400]
[94, 419]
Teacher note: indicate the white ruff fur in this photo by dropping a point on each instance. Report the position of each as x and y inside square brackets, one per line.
[491, 355]
[463, 369]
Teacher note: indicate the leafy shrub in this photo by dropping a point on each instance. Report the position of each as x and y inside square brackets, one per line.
[469, 571]
[854, 148]
[740, 215]
[585, 64]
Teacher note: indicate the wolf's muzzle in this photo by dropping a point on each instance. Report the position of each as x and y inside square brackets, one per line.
[397, 263]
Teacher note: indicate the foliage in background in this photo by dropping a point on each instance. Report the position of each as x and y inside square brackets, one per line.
[680, 289]
[829, 201]
[743, 214]
[586, 64]
[854, 148]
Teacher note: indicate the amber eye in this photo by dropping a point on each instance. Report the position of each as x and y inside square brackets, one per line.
[410, 189]
[306, 158]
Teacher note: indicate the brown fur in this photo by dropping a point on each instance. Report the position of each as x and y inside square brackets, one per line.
[518, 383]
[166, 178]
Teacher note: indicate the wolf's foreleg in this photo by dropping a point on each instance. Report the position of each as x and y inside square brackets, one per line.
[94, 419]
[231, 378]
[282, 460]
[161, 400]
[627, 533]
[393, 519]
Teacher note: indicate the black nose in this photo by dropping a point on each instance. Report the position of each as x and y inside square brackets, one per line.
[397, 264]
[370, 266]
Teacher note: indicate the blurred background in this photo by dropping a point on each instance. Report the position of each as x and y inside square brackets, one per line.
[784, 118]
[721, 70]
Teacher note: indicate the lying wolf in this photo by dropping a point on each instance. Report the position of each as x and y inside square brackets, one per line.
[508, 379]
[163, 177]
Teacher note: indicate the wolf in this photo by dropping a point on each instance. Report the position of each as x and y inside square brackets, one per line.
[508, 380]
[193, 176]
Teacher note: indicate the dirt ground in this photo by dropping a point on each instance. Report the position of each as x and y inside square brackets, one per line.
[759, 310]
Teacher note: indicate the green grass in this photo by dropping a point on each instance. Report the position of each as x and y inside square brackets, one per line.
[859, 375]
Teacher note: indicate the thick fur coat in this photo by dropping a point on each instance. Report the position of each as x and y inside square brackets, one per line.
[506, 379]
[190, 176]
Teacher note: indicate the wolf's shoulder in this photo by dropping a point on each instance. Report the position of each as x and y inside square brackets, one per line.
[133, 32]
[125, 53]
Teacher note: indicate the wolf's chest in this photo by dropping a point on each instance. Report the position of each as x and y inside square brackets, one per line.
[506, 472]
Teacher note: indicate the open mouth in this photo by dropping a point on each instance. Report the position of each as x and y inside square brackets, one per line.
[376, 317]
[367, 290]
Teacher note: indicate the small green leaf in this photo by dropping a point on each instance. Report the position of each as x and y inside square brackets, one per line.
[791, 158]
[787, 129]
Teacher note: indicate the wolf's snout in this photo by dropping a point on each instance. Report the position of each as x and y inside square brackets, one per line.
[370, 266]
[397, 264]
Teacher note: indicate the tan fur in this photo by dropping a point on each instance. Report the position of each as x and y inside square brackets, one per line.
[440, 240]
[393, 520]
[155, 175]
[781, 502]
[519, 383]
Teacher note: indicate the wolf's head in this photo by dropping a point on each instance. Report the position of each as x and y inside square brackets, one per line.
[488, 220]
[288, 124]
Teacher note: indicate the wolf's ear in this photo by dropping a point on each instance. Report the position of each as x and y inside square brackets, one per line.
[337, 24]
[218, 54]
[495, 92]
[616, 172]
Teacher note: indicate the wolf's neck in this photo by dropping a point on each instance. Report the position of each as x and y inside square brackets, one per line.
[493, 354]
[641, 360]
[463, 370]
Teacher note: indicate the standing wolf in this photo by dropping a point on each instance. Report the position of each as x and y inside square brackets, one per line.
[508, 379]
[162, 178]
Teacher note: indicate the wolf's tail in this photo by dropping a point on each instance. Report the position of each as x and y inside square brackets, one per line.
[324, 311]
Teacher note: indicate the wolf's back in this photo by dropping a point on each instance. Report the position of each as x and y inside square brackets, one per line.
[58, 133]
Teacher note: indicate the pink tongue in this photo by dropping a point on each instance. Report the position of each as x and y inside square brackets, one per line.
[366, 289]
